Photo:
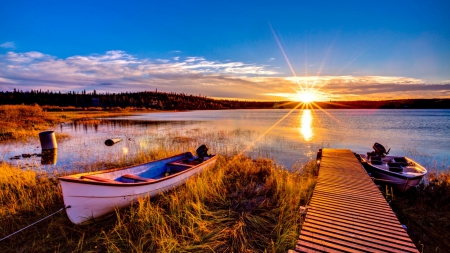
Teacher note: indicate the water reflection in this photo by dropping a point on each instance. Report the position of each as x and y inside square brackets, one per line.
[306, 128]
[229, 132]
[49, 156]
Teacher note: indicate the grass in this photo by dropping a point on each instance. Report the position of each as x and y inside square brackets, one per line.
[19, 122]
[426, 212]
[240, 205]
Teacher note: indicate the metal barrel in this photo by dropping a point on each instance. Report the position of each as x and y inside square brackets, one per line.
[48, 140]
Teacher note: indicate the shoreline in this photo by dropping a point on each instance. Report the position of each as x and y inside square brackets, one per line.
[425, 210]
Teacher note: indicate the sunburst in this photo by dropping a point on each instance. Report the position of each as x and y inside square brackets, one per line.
[306, 96]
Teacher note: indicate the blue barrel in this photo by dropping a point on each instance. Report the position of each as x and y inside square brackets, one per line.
[48, 140]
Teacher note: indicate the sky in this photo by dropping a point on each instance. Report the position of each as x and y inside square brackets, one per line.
[246, 50]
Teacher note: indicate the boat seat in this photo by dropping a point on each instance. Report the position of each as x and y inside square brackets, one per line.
[401, 160]
[138, 178]
[179, 166]
[395, 167]
[376, 160]
[99, 179]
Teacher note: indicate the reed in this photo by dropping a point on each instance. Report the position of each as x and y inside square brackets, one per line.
[240, 205]
[18, 122]
[425, 211]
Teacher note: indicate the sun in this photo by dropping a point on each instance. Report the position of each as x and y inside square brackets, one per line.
[305, 96]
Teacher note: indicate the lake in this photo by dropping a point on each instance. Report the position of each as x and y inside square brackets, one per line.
[290, 137]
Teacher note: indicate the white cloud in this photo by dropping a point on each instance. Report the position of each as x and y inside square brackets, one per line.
[8, 45]
[117, 71]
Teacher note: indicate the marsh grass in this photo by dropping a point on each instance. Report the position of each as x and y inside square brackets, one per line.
[240, 205]
[425, 211]
[18, 122]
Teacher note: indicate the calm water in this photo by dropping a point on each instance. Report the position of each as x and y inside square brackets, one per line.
[289, 137]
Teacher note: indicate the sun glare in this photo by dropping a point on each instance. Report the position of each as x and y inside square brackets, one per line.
[305, 97]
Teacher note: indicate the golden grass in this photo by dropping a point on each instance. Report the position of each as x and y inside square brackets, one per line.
[18, 122]
[426, 212]
[240, 205]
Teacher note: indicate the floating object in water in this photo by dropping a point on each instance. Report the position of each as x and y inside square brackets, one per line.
[48, 140]
[110, 142]
[96, 194]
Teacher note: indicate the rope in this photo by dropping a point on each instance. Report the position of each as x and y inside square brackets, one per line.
[34, 223]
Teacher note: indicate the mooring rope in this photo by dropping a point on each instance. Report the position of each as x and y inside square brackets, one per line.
[34, 223]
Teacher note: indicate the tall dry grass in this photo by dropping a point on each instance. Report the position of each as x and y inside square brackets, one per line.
[240, 205]
[18, 121]
[425, 211]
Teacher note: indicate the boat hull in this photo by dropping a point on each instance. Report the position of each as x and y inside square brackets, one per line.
[401, 181]
[89, 200]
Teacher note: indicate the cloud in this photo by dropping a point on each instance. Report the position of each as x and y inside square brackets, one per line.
[8, 45]
[360, 87]
[117, 71]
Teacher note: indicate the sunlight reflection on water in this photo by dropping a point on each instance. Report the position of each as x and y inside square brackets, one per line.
[293, 140]
[306, 127]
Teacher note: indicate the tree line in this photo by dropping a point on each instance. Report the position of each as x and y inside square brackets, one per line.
[140, 100]
[180, 101]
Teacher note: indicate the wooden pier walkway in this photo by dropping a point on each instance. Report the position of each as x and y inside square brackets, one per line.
[348, 213]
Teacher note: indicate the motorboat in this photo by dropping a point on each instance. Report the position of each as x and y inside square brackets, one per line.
[400, 172]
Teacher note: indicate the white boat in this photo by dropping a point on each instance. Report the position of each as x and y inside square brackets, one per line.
[96, 194]
[400, 172]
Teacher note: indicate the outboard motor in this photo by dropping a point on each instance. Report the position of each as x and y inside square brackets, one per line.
[202, 151]
[319, 158]
[380, 150]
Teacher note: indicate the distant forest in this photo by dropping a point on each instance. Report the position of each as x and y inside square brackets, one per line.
[180, 101]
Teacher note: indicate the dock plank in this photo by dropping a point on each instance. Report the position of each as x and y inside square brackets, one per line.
[348, 213]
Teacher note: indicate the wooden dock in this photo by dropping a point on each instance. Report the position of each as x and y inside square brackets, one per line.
[348, 213]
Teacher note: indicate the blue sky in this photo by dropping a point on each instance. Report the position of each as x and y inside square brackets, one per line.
[343, 50]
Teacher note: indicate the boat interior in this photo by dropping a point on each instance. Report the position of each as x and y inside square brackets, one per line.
[398, 164]
[149, 172]
[379, 158]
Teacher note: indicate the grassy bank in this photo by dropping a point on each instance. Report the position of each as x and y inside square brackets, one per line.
[18, 122]
[426, 212]
[240, 205]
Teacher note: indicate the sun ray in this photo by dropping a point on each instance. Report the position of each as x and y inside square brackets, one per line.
[282, 50]
[267, 131]
[326, 56]
[348, 64]
[327, 113]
